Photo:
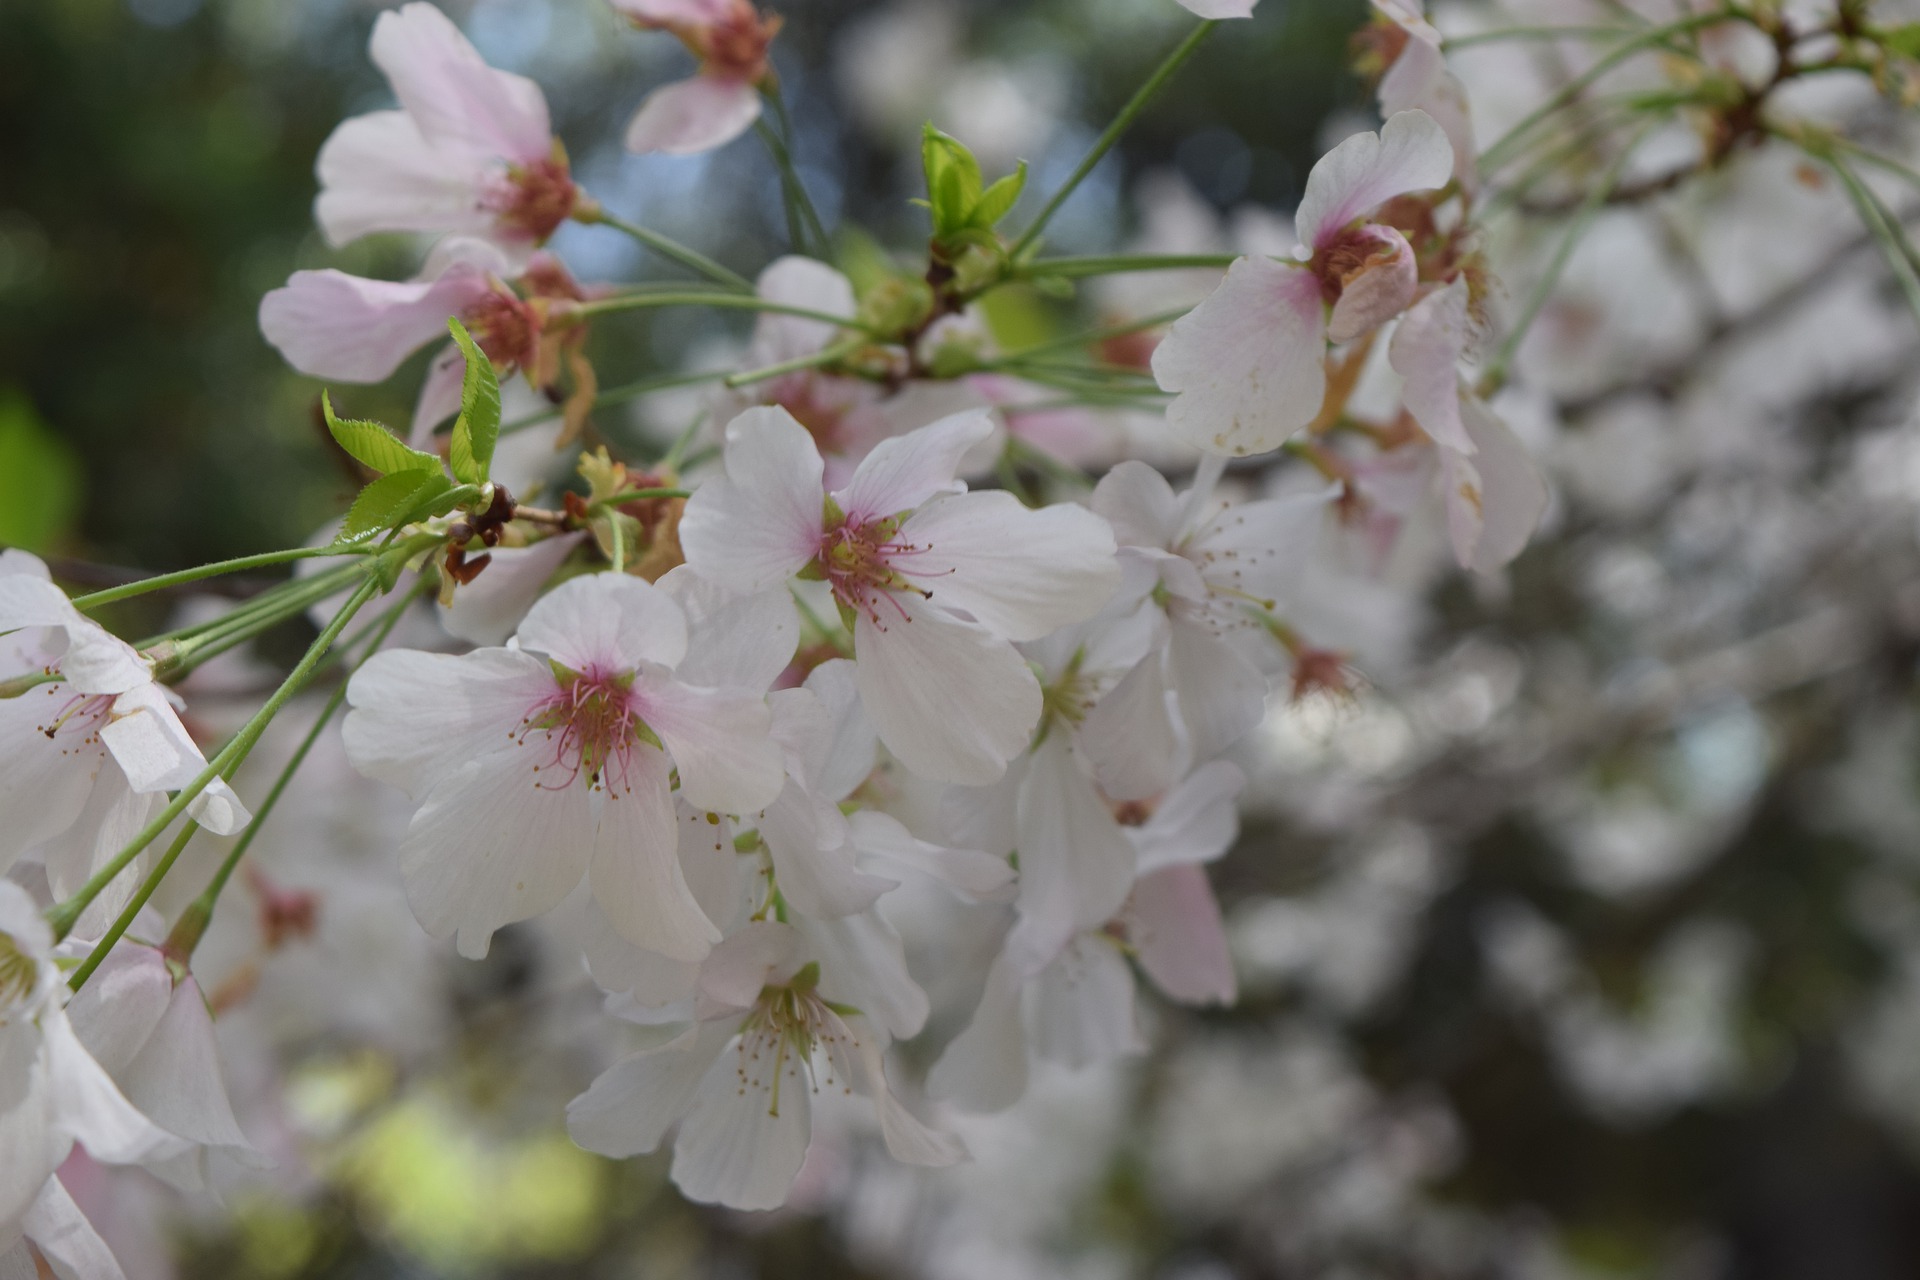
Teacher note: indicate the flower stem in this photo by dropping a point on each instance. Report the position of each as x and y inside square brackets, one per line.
[666, 247]
[162, 582]
[63, 915]
[193, 922]
[826, 355]
[125, 919]
[723, 301]
[1104, 143]
[1114, 264]
[802, 217]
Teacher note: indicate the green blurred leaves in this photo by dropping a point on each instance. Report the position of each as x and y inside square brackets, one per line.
[40, 478]
[478, 427]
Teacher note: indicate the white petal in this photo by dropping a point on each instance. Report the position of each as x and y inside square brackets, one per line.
[632, 1104]
[1140, 505]
[44, 782]
[329, 324]
[90, 1109]
[1197, 821]
[968, 872]
[908, 1139]
[377, 173]
[1020, 573]
[1261, 548]
[952, 700]
[1220, 8]
[606, 622]
[64, 1237]
[417, 717]
[759, 953]
[439, 397]
[34, 1147]
[647, 977]
[1249, 363]
[761, 524]
[693, 115]
[718, 740]
[1075, 865]
[1176, 932]
[1426, 352]
[176, 1078]
[486, 610]
[794, 281]
[863, 963]
[851, 746]
[984, 1068]
[740, 1149]
[495, 843]
[983, 817]
[1083, 1006]
[155, 752]
[121, 1004]
[1513, 492]
[1220, 695]
[1410, 153]
[1128, 734]
[636, 874]
[734, 642]
[452, 94]
[902, 472]
[813, 863]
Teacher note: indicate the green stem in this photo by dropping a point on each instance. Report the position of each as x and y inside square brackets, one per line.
[162, 582]
[63, 915]
[125, 919]
[808, 213]
[1105, 142]
[1114, 264]
[1088, 338]
[638, 495]
[803, 220]
[826, 355]
[177, 653]
[621, 394]
[692, 259]
[192, 924]
[1499, 153]
[723, 301]
[1496, 374]
[1885, 229]
[1532, 33]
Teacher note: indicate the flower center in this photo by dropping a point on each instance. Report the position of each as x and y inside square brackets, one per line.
[592, 722]
[779, 1038]
[735, 47]
[857, 558]
[532, 199]
[80, 719]
[18, 977]
[1356, 251]
[503, 327]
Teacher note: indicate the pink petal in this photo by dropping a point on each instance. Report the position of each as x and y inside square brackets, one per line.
[377, 173]
[718, 740]
[1380, 290]
[1410, 153]
[794, 281]
[905, 471]
[1177, 933]
[452, 94]
[664, 13]
[439, 395]
[329, 324]
[695, 115]
[1426, 353]
[635, 872]
[1249, 363]
[1513, 493]
[761, 523]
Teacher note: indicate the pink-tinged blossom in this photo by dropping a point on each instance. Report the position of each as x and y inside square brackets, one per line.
[87, 758]
[469, 151]
[1418, 79]
[56, 1094]
[53, 1237]
[552, 759]
[1249, 364]
[344, 328]
[1211, 568]
[935, 582]
[712, 108]
[1074, 1005]
[153, 1034]
[770, 1032]
[1220, 8]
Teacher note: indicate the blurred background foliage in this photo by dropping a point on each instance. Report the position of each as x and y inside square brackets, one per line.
[156, 180]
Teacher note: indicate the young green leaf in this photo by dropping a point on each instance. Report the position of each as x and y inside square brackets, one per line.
[373, 445]
[997, 201]
[478, 427]
[391, 501]
[953, 180]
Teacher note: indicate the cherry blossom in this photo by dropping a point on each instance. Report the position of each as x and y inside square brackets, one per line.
[469, 151]
[740, 1080]
[553, 758]
[934, 582]
[1249, 363]
[87, 757]
[711, 109]
[1418, 79]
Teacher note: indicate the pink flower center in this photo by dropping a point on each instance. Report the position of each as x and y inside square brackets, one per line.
[531, 200]
[505, 328]
[1352, 254]
[592, 722]
[857, 557]
[735, 47]
[77, 723]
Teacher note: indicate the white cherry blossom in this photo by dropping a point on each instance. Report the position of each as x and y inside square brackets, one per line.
[934, 581]
[711, 109]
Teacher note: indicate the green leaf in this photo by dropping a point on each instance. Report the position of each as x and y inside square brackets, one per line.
[478, 427]
[953, 180]
[997, 201]
[392, 501]
[40, 478]
[1903, 39]
[373, 445]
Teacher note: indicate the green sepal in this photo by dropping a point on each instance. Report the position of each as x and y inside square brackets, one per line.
[848, 616]
[372, 445]
[478, 427]
[392, 501]
[997, 201]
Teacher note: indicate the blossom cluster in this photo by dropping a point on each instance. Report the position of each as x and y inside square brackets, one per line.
[906, 633]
